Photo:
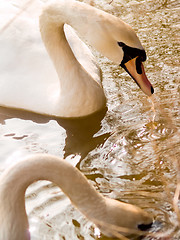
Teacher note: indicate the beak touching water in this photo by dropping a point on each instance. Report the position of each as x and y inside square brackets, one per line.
[135, 69]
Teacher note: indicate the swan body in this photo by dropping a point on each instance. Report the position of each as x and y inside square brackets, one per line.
[97, 208]
[70, 85]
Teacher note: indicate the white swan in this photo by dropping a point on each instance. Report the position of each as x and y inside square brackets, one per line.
[14, 181]
[27, 77]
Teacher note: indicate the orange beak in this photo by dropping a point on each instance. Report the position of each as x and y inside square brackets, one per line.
[139, 78]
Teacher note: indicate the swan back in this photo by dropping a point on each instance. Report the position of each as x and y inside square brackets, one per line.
[27, 75]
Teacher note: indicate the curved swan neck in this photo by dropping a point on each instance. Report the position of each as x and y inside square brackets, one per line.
[14, 183]
[80, 92]
[59, 50]
[51, 168]
[101, 30]
[51, 22]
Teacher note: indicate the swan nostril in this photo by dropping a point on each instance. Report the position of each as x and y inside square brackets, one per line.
[152, 90]
[144, 227]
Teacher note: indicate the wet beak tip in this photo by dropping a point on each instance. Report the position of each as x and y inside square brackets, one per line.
[152, 90]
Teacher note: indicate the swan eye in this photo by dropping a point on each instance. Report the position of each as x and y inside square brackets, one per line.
[130, 53]
[121, 44]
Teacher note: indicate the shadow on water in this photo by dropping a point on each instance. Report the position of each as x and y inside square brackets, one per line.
[80, 132]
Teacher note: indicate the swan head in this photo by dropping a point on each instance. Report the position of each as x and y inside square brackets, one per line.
[119, 42]
[125, 219]
[132, 62]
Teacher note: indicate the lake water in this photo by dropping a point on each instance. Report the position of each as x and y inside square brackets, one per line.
[131, 152]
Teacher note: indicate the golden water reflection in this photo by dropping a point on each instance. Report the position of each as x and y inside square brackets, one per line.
[130, 152]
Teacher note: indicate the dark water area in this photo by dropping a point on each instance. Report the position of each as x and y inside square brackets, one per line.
[129, 152]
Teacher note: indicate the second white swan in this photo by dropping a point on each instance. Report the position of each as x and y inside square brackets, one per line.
[96, 207]
[27, 78]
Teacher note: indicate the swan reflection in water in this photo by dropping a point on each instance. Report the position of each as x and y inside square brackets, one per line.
[78, 136]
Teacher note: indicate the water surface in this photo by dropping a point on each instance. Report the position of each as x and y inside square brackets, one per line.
[130, 152]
